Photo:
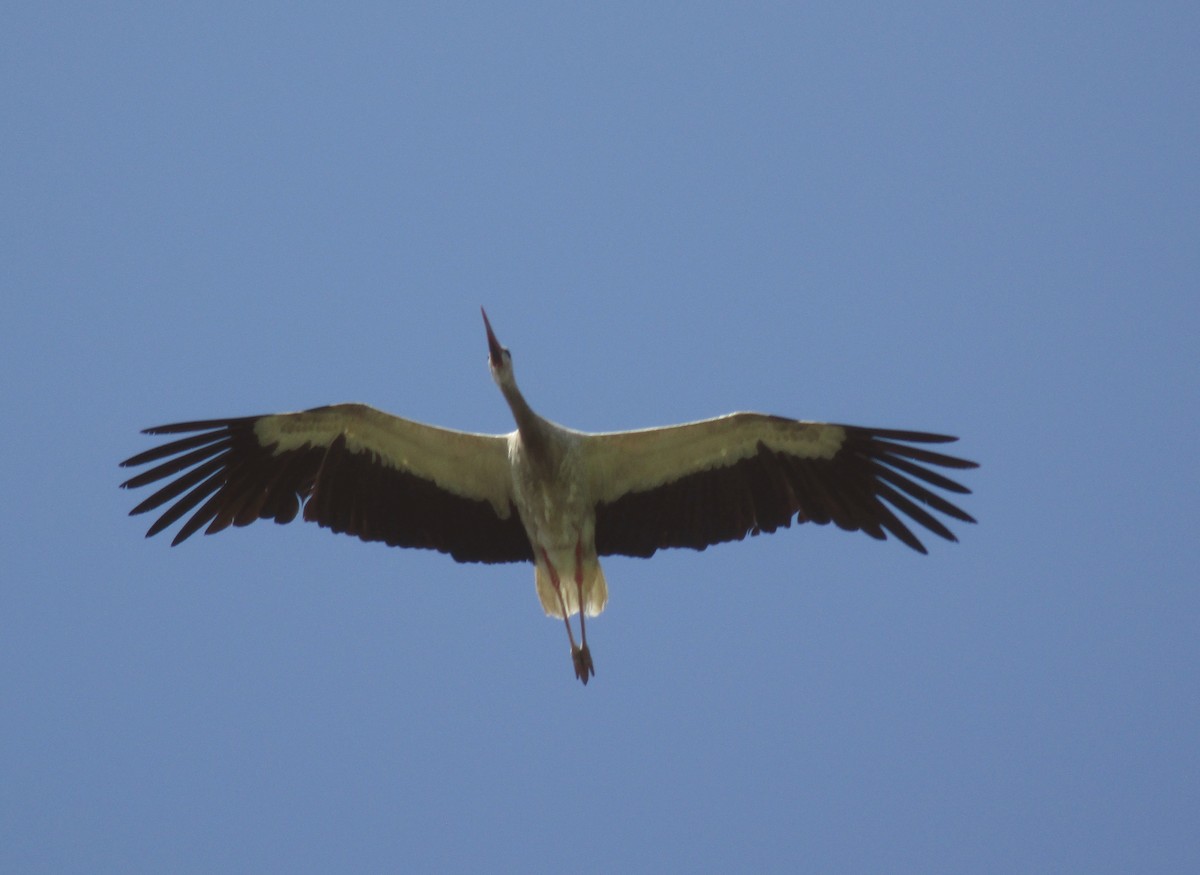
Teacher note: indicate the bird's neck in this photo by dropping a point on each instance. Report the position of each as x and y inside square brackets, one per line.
[533, 429]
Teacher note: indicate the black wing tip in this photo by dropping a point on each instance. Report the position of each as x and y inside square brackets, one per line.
[906, 436]
[152, 532]
[882, 441]
[919, 547]
[200, 425]
[903, 458]
[202, 431]
[133, 462]
[903, 434]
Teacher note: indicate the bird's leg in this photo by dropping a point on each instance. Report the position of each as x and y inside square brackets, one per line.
[583, 658]
[575, 651]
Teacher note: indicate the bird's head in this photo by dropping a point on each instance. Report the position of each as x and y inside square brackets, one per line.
[499, 358]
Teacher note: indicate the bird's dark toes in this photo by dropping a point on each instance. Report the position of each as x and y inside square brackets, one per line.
[582, 657]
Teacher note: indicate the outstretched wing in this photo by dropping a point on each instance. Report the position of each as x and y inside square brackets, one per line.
[720, 479]
[354, 469]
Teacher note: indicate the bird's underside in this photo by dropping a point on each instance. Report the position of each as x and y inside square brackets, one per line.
[545, 494]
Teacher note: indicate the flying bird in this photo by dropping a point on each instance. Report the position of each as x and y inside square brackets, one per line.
[546, 494]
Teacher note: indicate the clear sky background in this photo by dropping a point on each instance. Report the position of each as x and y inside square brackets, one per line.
[934, 216]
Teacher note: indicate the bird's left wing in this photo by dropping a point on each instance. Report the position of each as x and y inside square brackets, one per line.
[720, 479]
[353, 468]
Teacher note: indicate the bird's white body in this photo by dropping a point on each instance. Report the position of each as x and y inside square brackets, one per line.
[544, 493]
[560, 522]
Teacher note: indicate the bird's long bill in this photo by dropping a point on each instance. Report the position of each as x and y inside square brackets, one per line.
[495, 350]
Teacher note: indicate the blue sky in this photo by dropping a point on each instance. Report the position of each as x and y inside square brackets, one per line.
[935, 216]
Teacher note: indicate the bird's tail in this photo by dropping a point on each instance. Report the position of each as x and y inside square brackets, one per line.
[595, 590]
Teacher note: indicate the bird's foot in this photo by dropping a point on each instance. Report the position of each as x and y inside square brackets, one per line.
[582, 657]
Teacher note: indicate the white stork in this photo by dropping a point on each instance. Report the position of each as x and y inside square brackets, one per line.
[544, 493]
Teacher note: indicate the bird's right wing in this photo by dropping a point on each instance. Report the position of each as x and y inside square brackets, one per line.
[353, 468]
[720, 479]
